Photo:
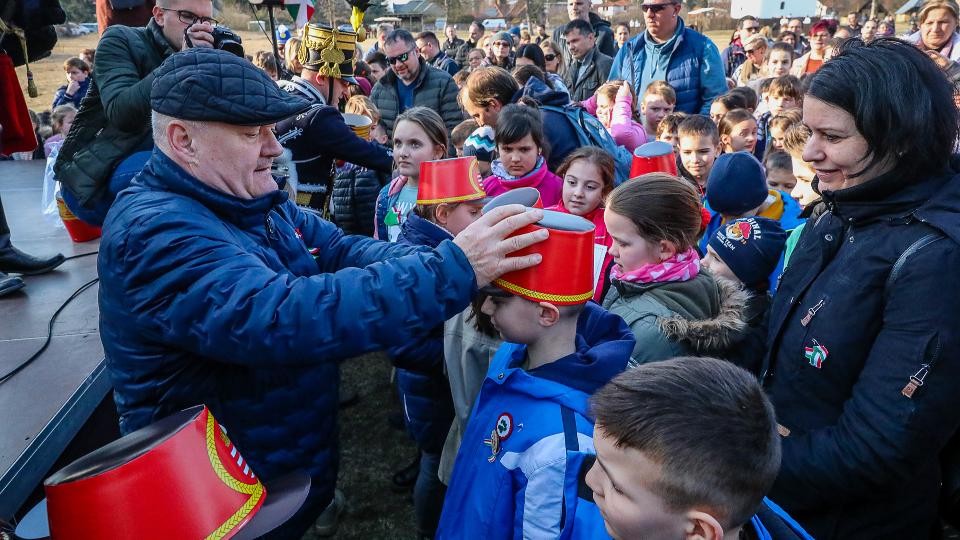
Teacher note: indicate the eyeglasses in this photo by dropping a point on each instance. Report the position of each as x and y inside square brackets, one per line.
[656, 8]
[189, 17]
[391, 60]
[549, 57]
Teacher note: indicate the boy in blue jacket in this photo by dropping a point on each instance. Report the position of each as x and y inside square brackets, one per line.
[516, 473]
[449, 198]
[685, 448]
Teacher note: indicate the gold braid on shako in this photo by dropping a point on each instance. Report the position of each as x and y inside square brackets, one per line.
[328, 51]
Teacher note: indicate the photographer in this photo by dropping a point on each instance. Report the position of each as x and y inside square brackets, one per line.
[110, 139]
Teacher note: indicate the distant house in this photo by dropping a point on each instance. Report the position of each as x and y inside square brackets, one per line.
[414, 12]
[612, 8]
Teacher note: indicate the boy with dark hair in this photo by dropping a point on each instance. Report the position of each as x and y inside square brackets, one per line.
[687, 448]
[517, 468]
[699, 145]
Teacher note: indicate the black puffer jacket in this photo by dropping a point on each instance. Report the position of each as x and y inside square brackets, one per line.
[853, 322]
[355, 192]
[114, 117]
[601, 28]
[433, 88]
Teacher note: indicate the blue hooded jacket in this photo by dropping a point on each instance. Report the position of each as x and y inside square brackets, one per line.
[695, 70]
[247, 305]
[538, 423]
[424, 390]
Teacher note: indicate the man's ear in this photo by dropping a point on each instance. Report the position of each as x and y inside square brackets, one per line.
[702, 526]
[181, 142]
[157, 14]
[549, 314]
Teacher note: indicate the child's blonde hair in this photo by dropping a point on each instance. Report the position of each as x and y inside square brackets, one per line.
[59, 114]
[430, 122]
[266, 61]
[609, 90]
[663, 90]
[670, 123]
[364, 106]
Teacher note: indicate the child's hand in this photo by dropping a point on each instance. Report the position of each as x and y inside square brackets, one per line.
[72, 88]
[625, 90]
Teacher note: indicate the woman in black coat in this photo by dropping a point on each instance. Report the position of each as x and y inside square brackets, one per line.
[863, 361]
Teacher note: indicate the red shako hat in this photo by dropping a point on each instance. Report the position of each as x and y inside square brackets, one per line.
[180, 477]
[565, 274]
[656, 156]
[450, 181]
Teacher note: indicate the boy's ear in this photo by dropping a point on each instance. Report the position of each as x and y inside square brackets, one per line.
[549, 314]
[702, 526]
[442, 214]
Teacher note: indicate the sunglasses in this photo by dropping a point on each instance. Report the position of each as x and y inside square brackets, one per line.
[391, 60]
[656, 8]
[549, 57]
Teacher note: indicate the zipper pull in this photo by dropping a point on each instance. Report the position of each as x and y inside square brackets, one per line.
[916, 381]
[811, 313]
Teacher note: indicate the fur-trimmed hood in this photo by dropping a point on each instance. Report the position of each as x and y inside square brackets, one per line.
[716, 333]
[704, 315]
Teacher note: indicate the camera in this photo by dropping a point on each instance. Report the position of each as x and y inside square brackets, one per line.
[227, 40]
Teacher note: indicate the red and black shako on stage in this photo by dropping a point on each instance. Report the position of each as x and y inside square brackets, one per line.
[180, 477]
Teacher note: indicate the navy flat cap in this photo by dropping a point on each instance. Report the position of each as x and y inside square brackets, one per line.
[207, 84]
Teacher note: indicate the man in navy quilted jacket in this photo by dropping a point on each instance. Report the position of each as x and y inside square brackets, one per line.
[216, 289]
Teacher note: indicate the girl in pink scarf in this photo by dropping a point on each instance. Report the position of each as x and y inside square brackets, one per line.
[588, 175]
[520, 145]
[672, 305]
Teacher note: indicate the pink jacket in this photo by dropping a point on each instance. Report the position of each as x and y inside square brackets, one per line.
[548, 184]
[623, 129]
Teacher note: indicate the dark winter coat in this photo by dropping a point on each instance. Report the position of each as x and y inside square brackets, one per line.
[355, 191]
[444, 62]
[451, 48]
[319, 136]
[114, 117]
[208, 298]
[601, 28]
[732, 57]
[854, 320]
[60, 97]
[433, 88]
[595, 73]
[424, 390]
[702, 316]
[559, 130]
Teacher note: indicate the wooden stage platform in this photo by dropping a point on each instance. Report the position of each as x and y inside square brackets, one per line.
[44, 406]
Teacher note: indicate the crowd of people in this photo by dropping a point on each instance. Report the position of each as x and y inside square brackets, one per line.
[756, 338]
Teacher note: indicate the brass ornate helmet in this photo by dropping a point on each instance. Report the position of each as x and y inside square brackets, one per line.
[328, 51]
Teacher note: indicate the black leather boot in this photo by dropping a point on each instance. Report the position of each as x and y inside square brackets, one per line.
[14, 261]
[8, 284]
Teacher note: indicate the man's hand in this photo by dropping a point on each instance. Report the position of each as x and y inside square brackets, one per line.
[201, 35]
[486, 244]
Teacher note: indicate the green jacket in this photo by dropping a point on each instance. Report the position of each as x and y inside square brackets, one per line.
[703, 316]
[114, 117]
[434, 88]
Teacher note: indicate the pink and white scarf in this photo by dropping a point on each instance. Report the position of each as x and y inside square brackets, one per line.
[681, 267]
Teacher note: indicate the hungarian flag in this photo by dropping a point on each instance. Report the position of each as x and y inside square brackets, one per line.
[300, 10]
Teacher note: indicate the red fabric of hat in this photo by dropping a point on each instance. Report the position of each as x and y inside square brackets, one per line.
[450, 181]
[565, 275]
[17, 134]
[173, 481]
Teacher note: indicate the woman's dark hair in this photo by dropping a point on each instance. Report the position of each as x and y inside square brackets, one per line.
[662, 207]
[524, 73]
[516, 122]
[869, 81]
[748, 94]
[534, 53]
[733, 100]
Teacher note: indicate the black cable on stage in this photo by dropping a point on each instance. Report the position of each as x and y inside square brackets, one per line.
[6, 376]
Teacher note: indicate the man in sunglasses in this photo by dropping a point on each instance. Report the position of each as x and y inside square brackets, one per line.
[734, 55]
[412, 82]
[669, 51]
[580, 9]
[111, 139]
